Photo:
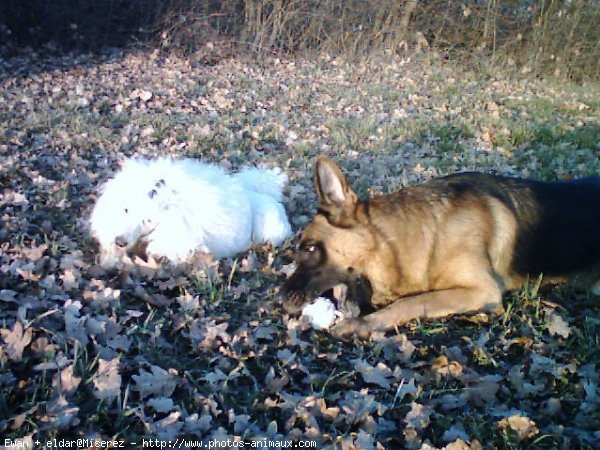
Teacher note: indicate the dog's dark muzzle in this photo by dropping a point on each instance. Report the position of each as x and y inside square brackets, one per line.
[352, 297]
[292, 298]
[301, 288]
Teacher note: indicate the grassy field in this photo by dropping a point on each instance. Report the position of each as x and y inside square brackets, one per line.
[207, 354]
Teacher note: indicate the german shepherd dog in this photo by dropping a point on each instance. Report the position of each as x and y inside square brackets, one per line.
[450, 246]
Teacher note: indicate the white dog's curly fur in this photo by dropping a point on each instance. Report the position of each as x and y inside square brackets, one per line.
[180, 206]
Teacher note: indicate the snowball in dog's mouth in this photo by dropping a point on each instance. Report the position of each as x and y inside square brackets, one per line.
[329, 307]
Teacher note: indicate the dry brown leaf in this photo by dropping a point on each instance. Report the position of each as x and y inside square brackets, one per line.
[198, 424]
[65, 382]
[418, 417]
[74, 324]
[215, 379]
[460, 444]
[159, 382]
[275, 383]
[250, 263]
[482, 392]
[169, 428]
[17, 421]
[523, 427]
[7, 295]
[107, 383]
[15, 341]
[558, 326]
[455, 433]
[60, 414]
[161, 404]
[154, 299]
[404, 389]
[442, 366]
[207, 333]
[379, 374]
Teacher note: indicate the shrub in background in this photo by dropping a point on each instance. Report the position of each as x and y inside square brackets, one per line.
[559, 37]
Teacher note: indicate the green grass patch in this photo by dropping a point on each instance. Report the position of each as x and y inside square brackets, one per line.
[449, 137]
[586, 136]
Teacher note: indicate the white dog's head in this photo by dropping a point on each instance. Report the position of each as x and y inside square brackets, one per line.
[127, 211]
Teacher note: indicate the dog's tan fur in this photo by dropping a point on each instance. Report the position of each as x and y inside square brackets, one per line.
[424, 252]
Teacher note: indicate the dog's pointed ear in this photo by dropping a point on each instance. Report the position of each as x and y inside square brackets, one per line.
[335, 196]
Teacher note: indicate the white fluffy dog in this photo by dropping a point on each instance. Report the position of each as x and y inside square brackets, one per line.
[177, 207]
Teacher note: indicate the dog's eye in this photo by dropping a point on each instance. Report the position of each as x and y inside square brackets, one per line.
[126, 210]
[309, 247]
[311, 254]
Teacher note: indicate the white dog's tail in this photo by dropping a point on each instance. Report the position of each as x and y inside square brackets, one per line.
[263, 181]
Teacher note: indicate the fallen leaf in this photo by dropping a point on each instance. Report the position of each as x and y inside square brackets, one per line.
[7, 295]
[380, 374]
[61, 414]
[461, 444]
[558, 326]
[418, 417]
[442, 366]
[169, 428]
[107, 382]
[15, 341]
[74, 324]
[249, 263]
[405, 389]
[161, 404]
[454, 433]
[65, 382]
[482, 392]
[159, 382]
[523, 427]
[18, 421]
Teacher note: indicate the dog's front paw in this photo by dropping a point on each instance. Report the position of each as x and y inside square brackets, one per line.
[347, 328]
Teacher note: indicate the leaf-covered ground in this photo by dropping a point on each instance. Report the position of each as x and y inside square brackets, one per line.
[209, 354]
